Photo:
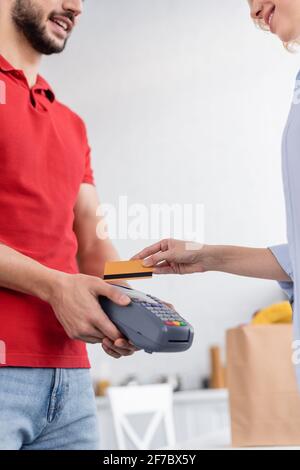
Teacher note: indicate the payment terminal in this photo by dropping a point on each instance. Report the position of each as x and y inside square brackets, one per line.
[148, 323]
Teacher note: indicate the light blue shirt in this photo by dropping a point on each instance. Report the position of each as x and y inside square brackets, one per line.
[281, 252]
[288, 255]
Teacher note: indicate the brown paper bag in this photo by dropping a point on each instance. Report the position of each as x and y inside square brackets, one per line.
[264, 398]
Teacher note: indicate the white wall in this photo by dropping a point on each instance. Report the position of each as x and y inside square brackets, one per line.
[185, 101]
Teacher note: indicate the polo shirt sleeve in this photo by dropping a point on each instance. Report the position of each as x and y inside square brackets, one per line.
[281, 253]
[88, 176]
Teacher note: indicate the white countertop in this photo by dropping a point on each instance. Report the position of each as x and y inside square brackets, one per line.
[189, 396]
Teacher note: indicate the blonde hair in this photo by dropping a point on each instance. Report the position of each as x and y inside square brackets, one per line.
[290, 46]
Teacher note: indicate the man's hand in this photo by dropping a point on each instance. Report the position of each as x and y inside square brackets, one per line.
[74, 300]
[121, 347]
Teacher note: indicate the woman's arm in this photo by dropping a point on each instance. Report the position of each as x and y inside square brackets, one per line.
[250, 262]
[180, 257]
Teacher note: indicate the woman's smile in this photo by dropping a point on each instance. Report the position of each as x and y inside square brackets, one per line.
[269, 18]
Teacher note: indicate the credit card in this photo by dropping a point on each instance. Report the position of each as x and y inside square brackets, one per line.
[115, 270]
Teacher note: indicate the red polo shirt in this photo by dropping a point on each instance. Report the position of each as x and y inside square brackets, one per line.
[44, 157]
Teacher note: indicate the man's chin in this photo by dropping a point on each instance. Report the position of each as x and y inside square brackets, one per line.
[54, 46]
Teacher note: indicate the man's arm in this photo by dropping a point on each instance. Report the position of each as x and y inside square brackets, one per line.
[23, 274]
[93, 252]
[73, 297]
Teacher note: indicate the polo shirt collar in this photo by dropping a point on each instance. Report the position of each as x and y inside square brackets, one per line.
[4, 65]
[41, 85]
[45, 88]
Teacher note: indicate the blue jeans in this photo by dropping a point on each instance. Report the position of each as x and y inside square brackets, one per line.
[47, 409]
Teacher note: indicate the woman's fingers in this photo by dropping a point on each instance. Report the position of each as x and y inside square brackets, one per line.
[152, 250]
[160, 257]
[163, 270]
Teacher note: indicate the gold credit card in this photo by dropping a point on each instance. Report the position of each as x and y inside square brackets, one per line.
[115, 270]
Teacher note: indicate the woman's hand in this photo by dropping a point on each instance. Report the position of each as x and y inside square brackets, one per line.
[174, 257]
[180, 257]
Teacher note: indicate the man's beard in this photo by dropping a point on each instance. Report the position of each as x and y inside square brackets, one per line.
[28, 19]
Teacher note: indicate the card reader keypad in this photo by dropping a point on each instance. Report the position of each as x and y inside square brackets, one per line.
[165, 314]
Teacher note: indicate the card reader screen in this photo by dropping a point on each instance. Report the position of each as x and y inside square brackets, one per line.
[136, 295]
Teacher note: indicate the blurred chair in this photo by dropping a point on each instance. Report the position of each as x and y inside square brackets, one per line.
[156, 400]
